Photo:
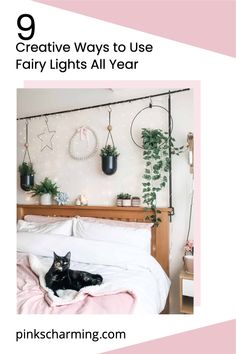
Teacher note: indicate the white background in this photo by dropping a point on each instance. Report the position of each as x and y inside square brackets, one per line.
[170, 61]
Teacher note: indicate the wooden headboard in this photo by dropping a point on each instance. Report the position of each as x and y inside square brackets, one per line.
[160, 234]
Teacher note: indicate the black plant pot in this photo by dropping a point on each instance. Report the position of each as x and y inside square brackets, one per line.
[26, 182]
[109, 164]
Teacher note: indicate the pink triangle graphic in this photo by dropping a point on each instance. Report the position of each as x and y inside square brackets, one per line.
[206, 24]
[215, 339]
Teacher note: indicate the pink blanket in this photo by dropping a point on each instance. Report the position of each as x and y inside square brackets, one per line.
[31, 298]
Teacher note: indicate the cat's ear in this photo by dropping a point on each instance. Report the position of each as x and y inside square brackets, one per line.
[55, 255]
[68, 255]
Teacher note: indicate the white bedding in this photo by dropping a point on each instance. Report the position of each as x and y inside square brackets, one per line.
[122, 267]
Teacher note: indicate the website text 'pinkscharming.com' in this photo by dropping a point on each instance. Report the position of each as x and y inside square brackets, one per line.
[53, 334]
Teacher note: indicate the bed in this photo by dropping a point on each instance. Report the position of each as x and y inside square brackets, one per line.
[111, 241]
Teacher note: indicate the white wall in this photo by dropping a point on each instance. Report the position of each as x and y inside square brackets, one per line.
[86, 177]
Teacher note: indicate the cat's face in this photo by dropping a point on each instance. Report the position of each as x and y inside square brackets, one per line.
[61, 263]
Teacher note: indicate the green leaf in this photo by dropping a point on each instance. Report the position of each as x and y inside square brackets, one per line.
[147, 177]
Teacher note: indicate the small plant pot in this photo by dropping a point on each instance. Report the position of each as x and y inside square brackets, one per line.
[26, 182]
[135, 202]
[126, 202]
[109, 164]
[119, 202]
[46, 199]
[188, 264]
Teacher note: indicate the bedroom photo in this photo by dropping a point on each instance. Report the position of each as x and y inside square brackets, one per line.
[105, 202]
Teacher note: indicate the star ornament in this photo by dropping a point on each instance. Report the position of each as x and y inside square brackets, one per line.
[46, 139]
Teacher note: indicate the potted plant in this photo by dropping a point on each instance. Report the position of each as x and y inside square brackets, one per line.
[157, 146]
[27, 173]
[46, 189]
[188, 256]
[119, 199]
[135, 201]
[126, 200]
[109, 156]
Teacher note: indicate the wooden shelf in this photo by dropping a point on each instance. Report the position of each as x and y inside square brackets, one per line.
[88, 207]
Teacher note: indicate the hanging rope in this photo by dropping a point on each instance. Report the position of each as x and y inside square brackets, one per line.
[26, 145]
[109, 128]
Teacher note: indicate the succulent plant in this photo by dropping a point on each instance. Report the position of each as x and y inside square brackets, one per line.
[109, 150]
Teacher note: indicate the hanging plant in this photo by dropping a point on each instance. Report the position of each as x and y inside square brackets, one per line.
[157, 147]
[26, 169]
[109, 152]
[27, 173]
[109, 156]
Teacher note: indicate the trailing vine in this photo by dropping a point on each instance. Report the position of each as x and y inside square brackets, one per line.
[156, 145]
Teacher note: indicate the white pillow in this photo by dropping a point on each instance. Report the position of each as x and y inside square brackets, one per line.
[44, 219]
[136, 225]
[58, 228]
[137, 237]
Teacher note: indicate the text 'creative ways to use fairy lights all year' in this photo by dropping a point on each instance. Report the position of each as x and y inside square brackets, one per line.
[81, 55]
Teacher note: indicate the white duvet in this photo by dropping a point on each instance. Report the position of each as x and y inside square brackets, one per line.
[122, 267]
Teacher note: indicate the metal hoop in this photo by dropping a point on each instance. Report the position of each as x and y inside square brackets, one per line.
[143, 109]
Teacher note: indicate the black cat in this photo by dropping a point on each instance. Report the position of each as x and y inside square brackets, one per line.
[60, 276]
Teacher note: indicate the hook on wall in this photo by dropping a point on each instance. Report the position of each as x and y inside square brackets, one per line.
[150, 102]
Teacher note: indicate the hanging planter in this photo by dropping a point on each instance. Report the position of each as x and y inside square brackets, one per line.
[109, 156]
[26, 176]
[109, 164]
[26, 169]
[109, 153]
